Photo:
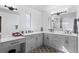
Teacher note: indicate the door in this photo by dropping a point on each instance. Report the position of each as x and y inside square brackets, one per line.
[30, 43]
[56, 41]
[46, 39]
[39, 40]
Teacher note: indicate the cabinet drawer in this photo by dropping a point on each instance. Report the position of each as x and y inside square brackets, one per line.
[11, 43]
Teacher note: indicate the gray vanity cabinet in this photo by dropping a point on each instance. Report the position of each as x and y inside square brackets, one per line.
[13, 44]
[56, 41]
[64, 43]
[39, 40]
[30, 43]
[46, 39]
[0, 47]
[33, 41]
[70, 43]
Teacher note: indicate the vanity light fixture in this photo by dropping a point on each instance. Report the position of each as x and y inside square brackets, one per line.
[58, 13]
[10, 8]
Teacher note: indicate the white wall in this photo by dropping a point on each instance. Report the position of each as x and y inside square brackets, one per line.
[45, 21]
[68, 21]
[77, 10]
[36, 18]
[10, 19]
[70, 9]
[8, 23]
[66, 18]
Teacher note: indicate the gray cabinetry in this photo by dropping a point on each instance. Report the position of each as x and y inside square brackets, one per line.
[14, 44]
[46, 39]
[63, 43]
[33, 41]
[30, 43]
[56, 41]
[70, 43]
[39, 40]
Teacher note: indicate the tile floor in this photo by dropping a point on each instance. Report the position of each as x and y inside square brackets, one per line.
[45, 49]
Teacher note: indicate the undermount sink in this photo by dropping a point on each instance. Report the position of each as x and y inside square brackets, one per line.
[59, 32]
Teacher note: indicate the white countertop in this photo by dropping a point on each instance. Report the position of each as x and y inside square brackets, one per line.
[10, 38]
[15, 38]
[50, 33]
[59, 33]
[32, 33]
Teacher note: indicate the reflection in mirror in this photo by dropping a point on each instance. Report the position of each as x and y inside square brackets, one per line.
[54, 23]
[63, 22]
[68, 21]
[28, 21]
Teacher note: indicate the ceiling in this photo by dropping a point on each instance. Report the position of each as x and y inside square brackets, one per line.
[54, 8]
[42, 7]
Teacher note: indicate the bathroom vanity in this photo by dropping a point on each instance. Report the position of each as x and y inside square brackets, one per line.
[33, 41]
[63, 42]
[12, 43]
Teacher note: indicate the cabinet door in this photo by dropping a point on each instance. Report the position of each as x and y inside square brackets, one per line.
[70, 44]
[28, 38]
[33, 42]
[46, 39]
[30, 43]
[0, 48]
[56, 41]
[52, 42]
[39, 39]
[28, 46]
